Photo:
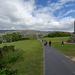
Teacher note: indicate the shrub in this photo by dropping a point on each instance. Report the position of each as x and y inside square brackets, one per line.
[24, 38]
[11, 48]
[32, 38]
[1, 55]
[3, 62]
[7, 71]
[0, 41]
[59, 34]
[8, 55]
[12, 37]
[5, 48]
[8, 48]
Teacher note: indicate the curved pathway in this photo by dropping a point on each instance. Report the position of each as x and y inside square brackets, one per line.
[56, 63]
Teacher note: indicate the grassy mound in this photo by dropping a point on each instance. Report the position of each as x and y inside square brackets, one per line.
[32, 61]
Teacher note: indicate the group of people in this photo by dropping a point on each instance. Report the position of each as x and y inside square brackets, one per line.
[45, 43]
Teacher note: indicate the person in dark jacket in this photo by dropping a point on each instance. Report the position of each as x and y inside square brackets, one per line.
[46, 43]
[50, 43]
[62, 43]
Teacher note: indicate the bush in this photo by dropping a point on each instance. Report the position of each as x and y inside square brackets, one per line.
[12, 37]
[1, 55]
[7, 71]
[8, 48]
[24, 38]
[11, 48]
[9, 57]
[59, 34]
[0, 41]
[32, 38]
[8, 54]
[3, 62]
[5, 48]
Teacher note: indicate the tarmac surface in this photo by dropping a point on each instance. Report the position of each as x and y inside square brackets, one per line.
[57, 63]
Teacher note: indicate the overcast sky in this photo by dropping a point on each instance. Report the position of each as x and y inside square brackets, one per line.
[46, 15]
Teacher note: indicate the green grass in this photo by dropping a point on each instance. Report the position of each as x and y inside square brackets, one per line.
[32, 61]
[67, 49]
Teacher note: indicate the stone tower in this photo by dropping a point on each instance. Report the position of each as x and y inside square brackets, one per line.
[74, 27]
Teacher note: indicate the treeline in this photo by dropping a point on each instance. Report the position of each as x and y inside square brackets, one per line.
[12, 37]
[59, 34]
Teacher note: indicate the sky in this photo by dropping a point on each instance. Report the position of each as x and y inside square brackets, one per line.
[43, 15]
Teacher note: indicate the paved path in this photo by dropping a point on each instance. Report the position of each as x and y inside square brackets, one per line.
[56, 63]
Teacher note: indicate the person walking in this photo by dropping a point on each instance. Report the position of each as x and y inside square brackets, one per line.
[62, 43]
[46, 43]
[49, 43]
[42, 41]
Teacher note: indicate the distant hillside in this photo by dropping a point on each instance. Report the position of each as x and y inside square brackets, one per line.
[32, 32]
[25, 32]
[6, 31]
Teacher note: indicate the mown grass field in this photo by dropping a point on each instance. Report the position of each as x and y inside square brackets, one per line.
[31, 62]
[67, 49]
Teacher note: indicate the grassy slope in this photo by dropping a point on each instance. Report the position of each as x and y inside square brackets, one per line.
[32, 62]
[67, 49]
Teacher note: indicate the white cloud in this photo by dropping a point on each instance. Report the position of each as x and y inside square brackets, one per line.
[20, 14]
[61, 15]
[65, 1]
[68, 12]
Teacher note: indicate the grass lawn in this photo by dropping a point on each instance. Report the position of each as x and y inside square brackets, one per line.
[67, 49]
[32, 61]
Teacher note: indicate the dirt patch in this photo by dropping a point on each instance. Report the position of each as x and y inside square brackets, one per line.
[73, 58]
[69, 43]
